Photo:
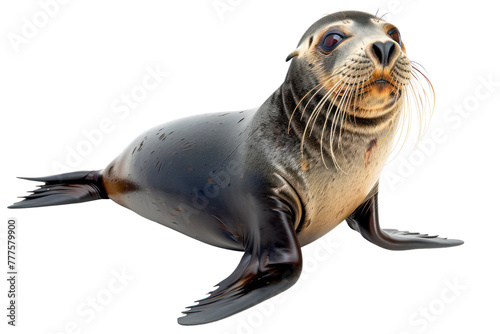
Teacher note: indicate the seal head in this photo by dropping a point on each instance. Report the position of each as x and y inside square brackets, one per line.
[357, 63]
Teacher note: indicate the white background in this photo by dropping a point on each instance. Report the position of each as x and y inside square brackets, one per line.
[64, 80]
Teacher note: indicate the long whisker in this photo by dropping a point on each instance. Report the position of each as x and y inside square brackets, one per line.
[417, 100]
[355, 103]
[403, 94]
[431, 87]
[333, 122]
[334, 90]
[314, 114]
[322, 86]
[298, 104]
[345, 86]
[317, 110]
[344, 108]
[339, 116]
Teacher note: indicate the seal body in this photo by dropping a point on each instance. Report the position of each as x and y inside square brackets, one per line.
[269, 180]
[195, 175]
[188, 175]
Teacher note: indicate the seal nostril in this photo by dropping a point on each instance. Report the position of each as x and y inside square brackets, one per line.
[378, 51]
[391, 52]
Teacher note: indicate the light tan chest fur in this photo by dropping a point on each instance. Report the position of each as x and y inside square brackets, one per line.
[333, 195]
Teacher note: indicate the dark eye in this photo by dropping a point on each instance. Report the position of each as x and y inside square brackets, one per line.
[395, 35]
[331, 40]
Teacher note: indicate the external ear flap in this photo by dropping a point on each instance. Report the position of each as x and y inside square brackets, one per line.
[293, 54]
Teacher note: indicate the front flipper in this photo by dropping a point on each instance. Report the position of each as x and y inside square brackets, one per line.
[272, 263]
[365, 220]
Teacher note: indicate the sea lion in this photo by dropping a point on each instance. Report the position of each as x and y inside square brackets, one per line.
[269, 180]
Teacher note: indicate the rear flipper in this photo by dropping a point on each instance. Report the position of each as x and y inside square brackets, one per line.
[271, 264]
[365, 221]
[75, 187]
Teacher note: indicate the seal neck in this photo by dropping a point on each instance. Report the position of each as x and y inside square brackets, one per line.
[294, 95]
[297, 99]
